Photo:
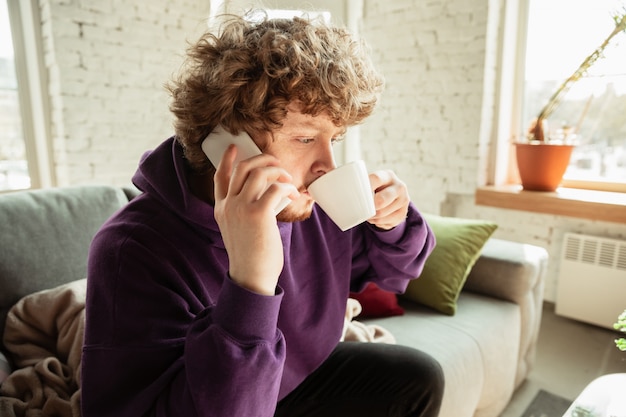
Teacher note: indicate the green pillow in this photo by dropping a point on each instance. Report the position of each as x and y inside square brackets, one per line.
[459, 242]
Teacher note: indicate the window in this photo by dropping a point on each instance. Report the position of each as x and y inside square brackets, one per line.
[25, 160]
[560, 35]
[13, 164]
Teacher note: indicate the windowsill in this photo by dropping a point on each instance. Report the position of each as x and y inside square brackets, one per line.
[586, 204]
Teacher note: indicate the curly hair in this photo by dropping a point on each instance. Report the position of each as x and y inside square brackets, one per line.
[244, 77]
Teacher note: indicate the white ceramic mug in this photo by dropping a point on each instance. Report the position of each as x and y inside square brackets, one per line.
[345, 194]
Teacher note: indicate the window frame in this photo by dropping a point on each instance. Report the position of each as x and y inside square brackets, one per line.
[32, 84]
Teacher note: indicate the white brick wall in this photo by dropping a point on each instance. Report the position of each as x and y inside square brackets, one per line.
[432, 55]
[108, 60]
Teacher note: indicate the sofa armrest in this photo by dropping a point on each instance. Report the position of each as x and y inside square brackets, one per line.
[514, 272]
[508, 270]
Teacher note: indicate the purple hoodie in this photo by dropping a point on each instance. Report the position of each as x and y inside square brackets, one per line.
[169, 334]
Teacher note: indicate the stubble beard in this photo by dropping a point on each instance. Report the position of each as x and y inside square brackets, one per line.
[292, 214]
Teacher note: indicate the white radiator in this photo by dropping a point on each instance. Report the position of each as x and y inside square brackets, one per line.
[592, 279]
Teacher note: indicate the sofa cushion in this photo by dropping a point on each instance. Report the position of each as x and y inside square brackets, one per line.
[459, 242]
[45, 236]
[477, 348]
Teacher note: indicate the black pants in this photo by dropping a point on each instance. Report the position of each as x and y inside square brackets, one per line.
[369, 379]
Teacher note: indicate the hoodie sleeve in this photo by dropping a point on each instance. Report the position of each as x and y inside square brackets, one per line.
[237, 341]
[391, 258]
[152, 349]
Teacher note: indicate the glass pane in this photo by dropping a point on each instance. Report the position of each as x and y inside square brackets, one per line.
[561, 34]
[13, 164]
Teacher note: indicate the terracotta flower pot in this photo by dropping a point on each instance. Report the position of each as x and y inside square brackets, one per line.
[541, 165]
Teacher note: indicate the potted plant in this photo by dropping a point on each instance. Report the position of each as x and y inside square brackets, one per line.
[542, 160]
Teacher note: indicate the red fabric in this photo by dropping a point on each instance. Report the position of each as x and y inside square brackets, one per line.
[377, 302]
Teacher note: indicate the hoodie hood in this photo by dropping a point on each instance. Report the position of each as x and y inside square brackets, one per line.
[154, 177]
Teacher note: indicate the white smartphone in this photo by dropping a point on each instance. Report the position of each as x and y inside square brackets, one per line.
[216, 143]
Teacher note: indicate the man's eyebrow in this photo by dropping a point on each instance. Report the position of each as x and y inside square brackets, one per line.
[311, 124]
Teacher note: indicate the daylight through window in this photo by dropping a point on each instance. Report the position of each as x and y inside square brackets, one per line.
[13, 164]
[560, 35]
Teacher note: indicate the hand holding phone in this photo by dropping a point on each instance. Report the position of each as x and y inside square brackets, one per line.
[253, 242]
[216, 143]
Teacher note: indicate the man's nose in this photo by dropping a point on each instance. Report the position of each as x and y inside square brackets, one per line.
[325, 160]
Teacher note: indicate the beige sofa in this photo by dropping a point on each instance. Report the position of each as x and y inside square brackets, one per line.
[486, 349]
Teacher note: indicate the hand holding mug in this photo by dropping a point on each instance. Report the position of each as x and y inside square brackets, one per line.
[391, 199]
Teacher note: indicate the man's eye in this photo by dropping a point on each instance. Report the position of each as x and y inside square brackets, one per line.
[337, 139]
[306, 140]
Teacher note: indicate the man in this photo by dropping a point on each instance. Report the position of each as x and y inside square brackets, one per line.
[201, 302]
